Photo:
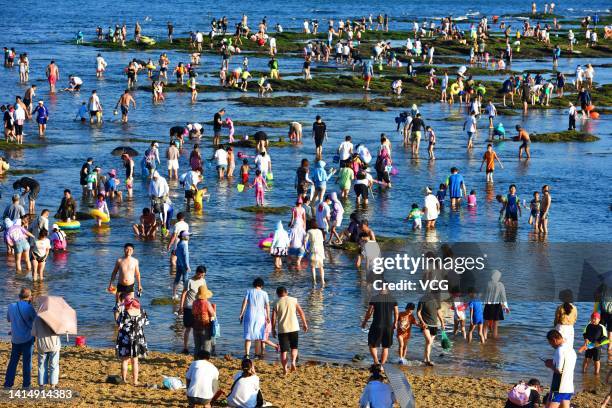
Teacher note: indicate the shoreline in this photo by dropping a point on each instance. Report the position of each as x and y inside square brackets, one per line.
[315, 384]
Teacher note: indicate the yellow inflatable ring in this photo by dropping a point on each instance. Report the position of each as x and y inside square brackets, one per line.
[99, 214]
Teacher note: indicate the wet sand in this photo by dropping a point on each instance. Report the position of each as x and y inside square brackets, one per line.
[84, 370]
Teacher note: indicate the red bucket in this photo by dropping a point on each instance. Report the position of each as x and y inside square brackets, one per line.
[79, 341]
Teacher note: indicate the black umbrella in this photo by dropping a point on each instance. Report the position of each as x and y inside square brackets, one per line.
[26, 182]
[118, 151]
[260, 135]
[32, 184]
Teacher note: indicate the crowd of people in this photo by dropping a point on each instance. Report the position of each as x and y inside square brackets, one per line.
[316, 217]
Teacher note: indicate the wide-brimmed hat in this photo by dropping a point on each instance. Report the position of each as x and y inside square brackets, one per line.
[204, 293]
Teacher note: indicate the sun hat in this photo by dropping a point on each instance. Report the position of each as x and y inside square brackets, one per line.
[204, 293]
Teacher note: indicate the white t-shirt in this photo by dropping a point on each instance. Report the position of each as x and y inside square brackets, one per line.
[221, 156]
[272, 42]
[263, 163]
[431, 207]
[244, 393]
[77, 81]
[199, 37]
[345, 150]
[100, 63]
[564, 360]
[366, 181]
[40, 249]
[377, 394]
[204, 379]
[180, 226]
[94, 103]
[471, 124]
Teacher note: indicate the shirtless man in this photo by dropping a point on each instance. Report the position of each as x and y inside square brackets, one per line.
[124, 101]
[28, 97]
[523, 136]
[148, 225]
[128, 270]
[545, 208]
[52, 75]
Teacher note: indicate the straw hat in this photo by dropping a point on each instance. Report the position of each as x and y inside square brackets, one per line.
[204, 293]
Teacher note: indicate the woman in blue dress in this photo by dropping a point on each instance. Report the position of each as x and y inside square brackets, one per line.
[255, 315]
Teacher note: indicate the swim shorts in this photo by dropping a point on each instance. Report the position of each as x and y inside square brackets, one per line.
[319, 141]
[288, 341]
[197, 401]
[299, 252]
[361, 190]
[594, 353]
[525, 144]
[367, 77]
[560, 396]
[22, 246]
[125, 288]
[380, 336]
[187, 317]
[124, 109]
[52, 79]
[43, 258]
[173, 164]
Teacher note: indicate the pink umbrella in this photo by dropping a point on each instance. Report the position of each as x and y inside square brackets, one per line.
[58, 315]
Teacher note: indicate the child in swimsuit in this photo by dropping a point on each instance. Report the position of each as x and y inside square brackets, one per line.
[102, 207]
[471, 200]
[405, 321]
[260, 185]
[244, 171]
[415, 216]
[534, 206]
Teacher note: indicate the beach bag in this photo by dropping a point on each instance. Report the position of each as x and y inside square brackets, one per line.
[215, 328]
[519, 395]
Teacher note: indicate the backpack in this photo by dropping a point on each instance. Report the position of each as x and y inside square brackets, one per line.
[519, 395]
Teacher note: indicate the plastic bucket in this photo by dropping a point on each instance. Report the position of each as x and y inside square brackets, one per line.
[80, 341]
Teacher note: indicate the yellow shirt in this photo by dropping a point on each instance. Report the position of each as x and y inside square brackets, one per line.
[286, 309]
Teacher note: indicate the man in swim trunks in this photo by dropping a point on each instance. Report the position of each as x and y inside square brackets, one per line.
[52, 75]
[124, 101]
[129, 272]
[319, 133]
[524, 137]
[28, 97]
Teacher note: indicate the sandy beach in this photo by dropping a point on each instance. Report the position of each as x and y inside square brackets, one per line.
[84, 370]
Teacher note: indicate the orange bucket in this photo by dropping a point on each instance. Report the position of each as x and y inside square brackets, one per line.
[79, 341]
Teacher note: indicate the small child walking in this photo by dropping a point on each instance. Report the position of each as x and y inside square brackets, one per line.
[476, 316]
[534, 216]
[471, 200]
[458, 314]
[594, 334]
[431, 135]
[441, 194]
[259, 183]
[244, 171]
[415, 216]
[405, 321]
